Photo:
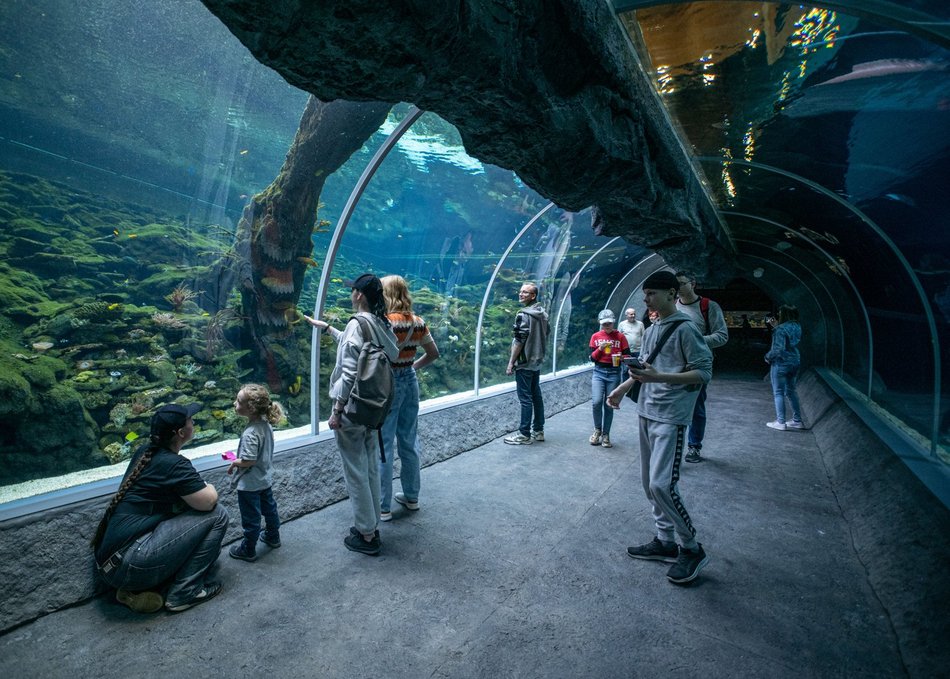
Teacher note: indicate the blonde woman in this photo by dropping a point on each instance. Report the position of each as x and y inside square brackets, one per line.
[400, 427]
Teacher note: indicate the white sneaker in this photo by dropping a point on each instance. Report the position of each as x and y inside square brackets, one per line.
[538, 436]
[519, 439]
[595, 438]
[776, 425]
[385, 516]
[411, 505]
[795, 424]
[605, 441]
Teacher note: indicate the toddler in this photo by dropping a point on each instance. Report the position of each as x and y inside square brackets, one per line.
[253, 465]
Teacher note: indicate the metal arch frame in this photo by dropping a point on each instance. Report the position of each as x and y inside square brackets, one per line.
[830, 257]
[491, 285]
[560, 309]
[630, 273]
[915, 282]
[813, 296]
[411, 117]
[886, 12]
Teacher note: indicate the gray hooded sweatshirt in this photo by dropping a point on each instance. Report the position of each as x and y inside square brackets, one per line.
[349, 343]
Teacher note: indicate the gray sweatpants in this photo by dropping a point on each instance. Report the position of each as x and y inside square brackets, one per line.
[359, 450]
[661, 451]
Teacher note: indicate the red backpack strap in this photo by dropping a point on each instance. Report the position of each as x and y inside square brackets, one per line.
[704, 308]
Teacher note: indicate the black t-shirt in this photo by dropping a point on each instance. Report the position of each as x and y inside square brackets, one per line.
[154, 497]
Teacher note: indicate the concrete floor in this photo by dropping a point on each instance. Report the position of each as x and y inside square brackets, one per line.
[516, 566]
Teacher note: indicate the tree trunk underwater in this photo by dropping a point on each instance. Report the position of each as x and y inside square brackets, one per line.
[273, 242]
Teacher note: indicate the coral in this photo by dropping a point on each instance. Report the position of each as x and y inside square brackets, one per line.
[168, 321]
[181, 294]
[115, 452]
[120, 413]
[93, 311]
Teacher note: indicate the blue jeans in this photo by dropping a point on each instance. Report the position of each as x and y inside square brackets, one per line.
[400, 434]
[784, 380]
[183, 547]
[253, 505]
[528, 387]
[603, 380]
[697, 428]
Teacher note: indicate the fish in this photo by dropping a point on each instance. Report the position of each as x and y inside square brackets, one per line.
[133, 235]
[115, 373]
[336, 280]
[115, 232]
[244, 152]
[131, 436]
[114, 306]
[309, 261]
[295, 387]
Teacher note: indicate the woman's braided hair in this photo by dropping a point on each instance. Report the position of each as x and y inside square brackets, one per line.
[157, 441]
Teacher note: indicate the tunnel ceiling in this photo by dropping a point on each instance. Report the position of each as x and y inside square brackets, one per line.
[834, 125]
[549, 89]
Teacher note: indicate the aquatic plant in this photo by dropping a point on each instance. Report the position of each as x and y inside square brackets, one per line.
[165, 320]
[214, 332]
[181, 294]
[191, 369]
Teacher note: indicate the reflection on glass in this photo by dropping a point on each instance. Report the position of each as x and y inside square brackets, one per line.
[440, 219]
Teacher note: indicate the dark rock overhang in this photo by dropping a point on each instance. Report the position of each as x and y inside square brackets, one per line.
[547, 88]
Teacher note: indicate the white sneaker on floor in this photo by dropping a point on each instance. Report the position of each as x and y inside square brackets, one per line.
[518, 439]
[776, 425]
[411, 505]
[795, 424]
[385, 516]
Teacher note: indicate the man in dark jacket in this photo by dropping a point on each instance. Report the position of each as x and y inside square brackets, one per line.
[525, 361]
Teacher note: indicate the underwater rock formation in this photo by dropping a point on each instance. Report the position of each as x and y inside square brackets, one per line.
[550, 89]
[274, 243]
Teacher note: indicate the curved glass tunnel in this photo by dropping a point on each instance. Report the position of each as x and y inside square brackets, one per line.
[134, 183]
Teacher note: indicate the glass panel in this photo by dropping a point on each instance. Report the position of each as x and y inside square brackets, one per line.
[439, 218]
[846, 104]
[124, 169]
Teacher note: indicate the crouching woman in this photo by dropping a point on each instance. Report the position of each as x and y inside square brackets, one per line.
[164, 525]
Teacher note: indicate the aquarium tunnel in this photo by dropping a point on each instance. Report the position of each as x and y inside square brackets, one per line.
[170, 208]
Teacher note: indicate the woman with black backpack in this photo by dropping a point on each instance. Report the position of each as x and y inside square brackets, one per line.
[359, 443]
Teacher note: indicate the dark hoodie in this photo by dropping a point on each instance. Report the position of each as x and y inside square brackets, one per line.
[531, 330]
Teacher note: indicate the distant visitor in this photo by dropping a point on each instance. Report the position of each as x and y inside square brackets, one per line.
[528, 348]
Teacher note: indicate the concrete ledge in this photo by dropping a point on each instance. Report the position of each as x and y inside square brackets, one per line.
[898, 527]
[46, 563]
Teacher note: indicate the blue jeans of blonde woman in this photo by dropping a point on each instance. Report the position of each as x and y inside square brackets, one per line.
[784, 380]
[183, 547]
[603, 380]
[400, 437]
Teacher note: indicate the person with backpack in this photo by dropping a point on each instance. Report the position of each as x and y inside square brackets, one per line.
[366, 348]
[678, 361]
[711, 322]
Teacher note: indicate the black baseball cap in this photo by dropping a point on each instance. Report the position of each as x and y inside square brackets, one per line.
[368, 284]
[661, 280]
[172, 417]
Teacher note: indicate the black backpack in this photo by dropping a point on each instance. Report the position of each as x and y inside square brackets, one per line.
[374, 387]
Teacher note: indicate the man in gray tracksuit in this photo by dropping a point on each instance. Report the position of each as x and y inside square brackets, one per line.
[667, 397]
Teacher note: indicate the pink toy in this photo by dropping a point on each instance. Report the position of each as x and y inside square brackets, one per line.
[229, 455]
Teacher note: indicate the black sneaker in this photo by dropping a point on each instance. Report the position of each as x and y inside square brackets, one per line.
[271, 541]
[355, 532]
[654, 551]
[209, 591]
[687, 566]
[356, 543]
[242, 552]
[692, 454]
